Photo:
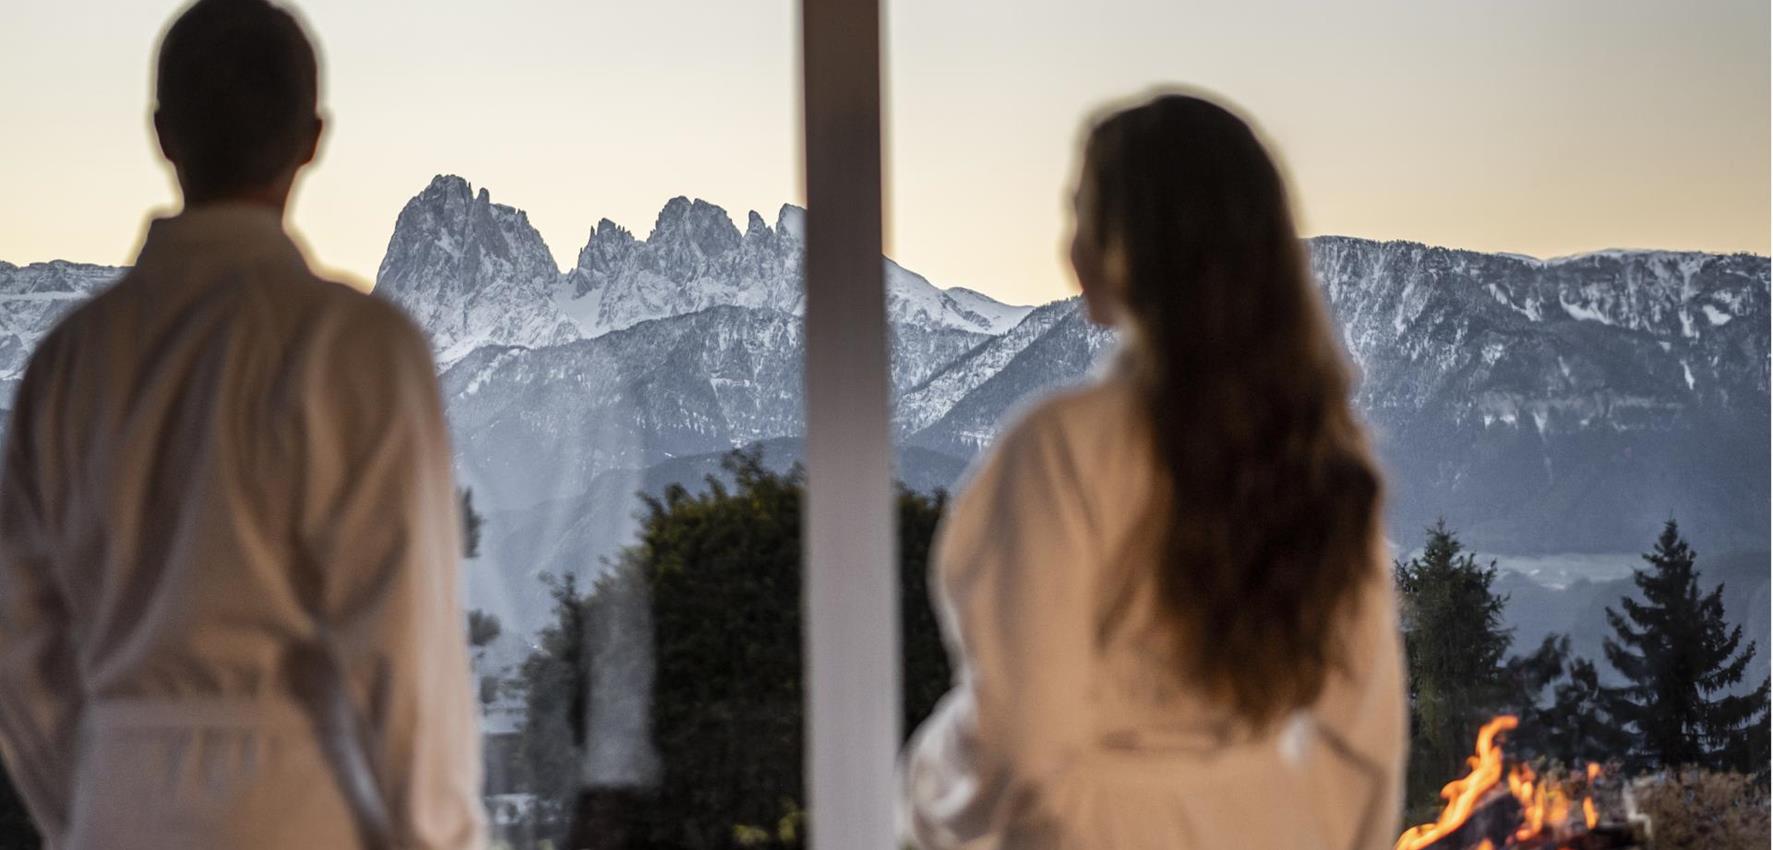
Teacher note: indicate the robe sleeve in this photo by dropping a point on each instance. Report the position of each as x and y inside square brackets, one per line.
[1363, 719]
[1389, 741]
[381, 521]
[40, 691]
[1015, 593]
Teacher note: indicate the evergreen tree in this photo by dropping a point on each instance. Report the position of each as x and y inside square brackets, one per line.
[718, 575]
[483, 629]
[927, 676]
[1578, 725]
[1681, 660]
[1528, 678]
[1572, 727]
[553, 681]
[471, 525]
[723, 568]
[1454, 645]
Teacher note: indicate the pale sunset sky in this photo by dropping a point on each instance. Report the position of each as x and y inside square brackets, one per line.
[1544, 127]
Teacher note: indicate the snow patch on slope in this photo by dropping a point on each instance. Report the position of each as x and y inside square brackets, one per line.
[1001, 316]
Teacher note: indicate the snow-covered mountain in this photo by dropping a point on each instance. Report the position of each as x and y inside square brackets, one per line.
[472, 272]
[534, 424]
[1568, 403]
[1001, 316]
[32, 299]
[959, 410]
[476, 273]
[1605, 438]
[1605, 337]
[1542, 406]
[693, 259]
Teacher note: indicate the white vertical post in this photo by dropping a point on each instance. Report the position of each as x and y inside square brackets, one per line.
[850, 588]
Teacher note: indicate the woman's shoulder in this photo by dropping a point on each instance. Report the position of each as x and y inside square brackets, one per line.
[1076, 426]
[1102, 405]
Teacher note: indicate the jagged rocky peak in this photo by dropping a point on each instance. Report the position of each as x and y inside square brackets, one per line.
[449, 226]
[608, 246]
[791, 223]
[471, 272]
[756, 227]
[690, 233]
[694, 258]
[474, 272]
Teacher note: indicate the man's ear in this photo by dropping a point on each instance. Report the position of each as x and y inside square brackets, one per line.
[168, 148]
[312, 149]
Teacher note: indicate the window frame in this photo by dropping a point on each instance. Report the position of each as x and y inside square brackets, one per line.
[849, 593]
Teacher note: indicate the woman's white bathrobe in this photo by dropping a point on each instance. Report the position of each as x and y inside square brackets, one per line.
[1063, 730]
[228, 555]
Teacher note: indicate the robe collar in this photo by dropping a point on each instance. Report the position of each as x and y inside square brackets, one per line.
[226, 231]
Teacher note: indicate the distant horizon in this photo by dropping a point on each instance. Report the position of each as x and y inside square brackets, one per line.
[740, 221]
[564, 254]
[1517, 126]
[568, 261]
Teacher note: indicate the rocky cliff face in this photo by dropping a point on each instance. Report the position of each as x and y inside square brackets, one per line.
[534, 425]
[1566, 403]
[1615, 337]
[476, 273]
[472, 272]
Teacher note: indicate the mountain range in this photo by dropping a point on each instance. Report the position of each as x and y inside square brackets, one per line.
[1541, 406]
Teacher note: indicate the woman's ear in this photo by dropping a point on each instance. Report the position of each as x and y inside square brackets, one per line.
[1101, 274]
[1094, 260]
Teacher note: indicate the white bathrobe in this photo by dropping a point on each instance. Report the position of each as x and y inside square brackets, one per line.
[228, 554]
[1065, 728]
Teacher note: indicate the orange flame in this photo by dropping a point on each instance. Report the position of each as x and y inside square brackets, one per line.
[1588, 813]
[1462, 795]
[1541, 807]
[1545, 809]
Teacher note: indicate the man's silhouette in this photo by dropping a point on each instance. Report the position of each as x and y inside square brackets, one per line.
[228, 529]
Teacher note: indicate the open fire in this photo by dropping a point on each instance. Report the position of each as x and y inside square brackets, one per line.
[1498, 806]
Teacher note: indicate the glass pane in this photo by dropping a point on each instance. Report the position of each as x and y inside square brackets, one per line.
[593, 213]
[1463, 176]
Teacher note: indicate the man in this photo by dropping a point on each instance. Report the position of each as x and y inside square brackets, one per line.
[228, 529]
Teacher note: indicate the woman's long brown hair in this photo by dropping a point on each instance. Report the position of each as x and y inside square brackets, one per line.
[1265, 532]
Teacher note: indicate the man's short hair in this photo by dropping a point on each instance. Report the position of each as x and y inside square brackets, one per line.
[237, 93]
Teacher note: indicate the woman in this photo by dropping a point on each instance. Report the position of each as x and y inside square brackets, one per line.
[1165, 590]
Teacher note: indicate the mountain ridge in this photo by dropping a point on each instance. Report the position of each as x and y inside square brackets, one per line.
[1498, 387]
[1542, 406]
[473, 272]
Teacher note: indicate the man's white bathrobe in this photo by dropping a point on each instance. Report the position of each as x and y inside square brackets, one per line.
[1066, 729]
[228, 554]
